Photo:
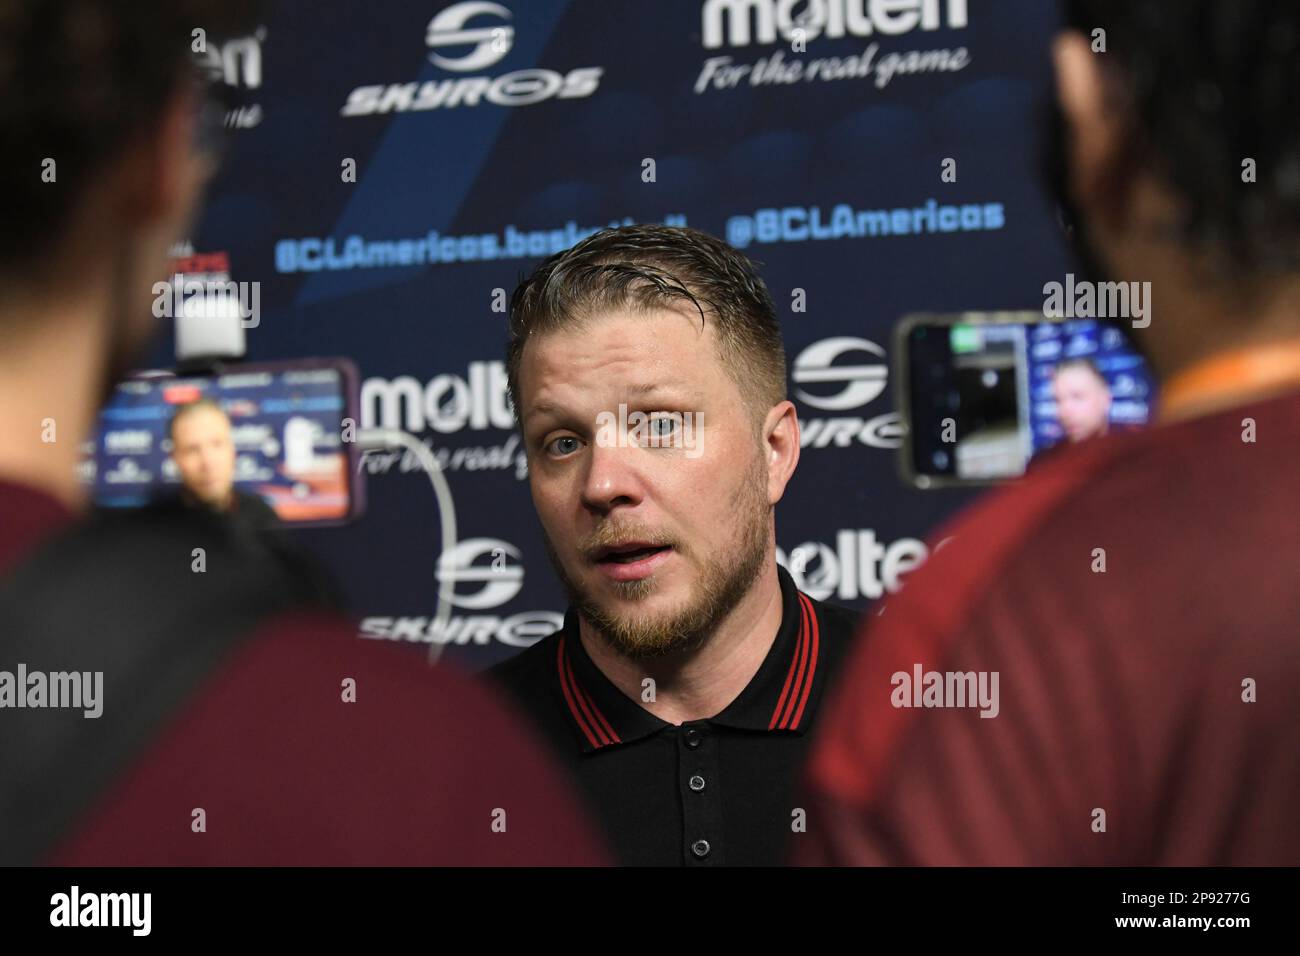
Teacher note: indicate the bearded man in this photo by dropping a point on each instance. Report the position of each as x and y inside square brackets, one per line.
[689, 672]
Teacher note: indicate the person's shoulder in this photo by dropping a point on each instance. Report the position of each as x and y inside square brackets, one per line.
[309, 642]
[253, 503]
[306, 714]
[319, 647]
[1147, 481]
[524, 674]
[1134, 489]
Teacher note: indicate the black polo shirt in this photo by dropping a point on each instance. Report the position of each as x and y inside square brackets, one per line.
[707, 792]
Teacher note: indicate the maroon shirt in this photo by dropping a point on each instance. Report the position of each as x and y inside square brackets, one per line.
[1119, 691]
[415, 772]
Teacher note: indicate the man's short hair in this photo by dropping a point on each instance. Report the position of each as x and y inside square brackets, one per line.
[1081, 362]
[81, 80]
[650, 266]
[188, 407]
[1204, 85]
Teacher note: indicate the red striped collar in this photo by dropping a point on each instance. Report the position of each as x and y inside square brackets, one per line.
[781, 697]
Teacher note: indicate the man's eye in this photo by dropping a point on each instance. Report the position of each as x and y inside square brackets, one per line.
[664, 425]
[563, 438]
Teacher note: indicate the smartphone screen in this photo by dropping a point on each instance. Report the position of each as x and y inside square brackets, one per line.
[285, 421]
[987, 396]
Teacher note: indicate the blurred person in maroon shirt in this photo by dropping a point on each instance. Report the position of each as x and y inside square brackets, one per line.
[1138, 596]
[423, 767]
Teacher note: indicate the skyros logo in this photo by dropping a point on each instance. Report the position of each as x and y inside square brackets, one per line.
[463, 38]
[484, 574]
[490, 43]
[827, 378]
[498, 580]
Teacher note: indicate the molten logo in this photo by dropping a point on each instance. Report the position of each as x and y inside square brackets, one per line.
[739, 23]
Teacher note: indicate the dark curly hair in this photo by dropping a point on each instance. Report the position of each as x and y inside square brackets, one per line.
[79, 79]
[644, 266]
[1205, 85]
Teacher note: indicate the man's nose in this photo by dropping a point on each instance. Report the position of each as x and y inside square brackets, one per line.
[612, 478]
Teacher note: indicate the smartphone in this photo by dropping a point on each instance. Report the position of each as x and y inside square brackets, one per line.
[986, 396]
[287, 421]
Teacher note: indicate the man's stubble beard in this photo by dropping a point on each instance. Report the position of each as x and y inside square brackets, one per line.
[722, 584]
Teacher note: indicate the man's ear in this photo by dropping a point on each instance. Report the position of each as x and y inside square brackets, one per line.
[780, 447]
[1094, 126]
[163, 175]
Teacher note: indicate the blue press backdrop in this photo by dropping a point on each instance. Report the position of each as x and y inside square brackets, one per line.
[484, 153]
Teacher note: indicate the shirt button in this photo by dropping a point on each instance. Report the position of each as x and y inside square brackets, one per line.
[692, 737]
[700, 848]
[697, 783]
